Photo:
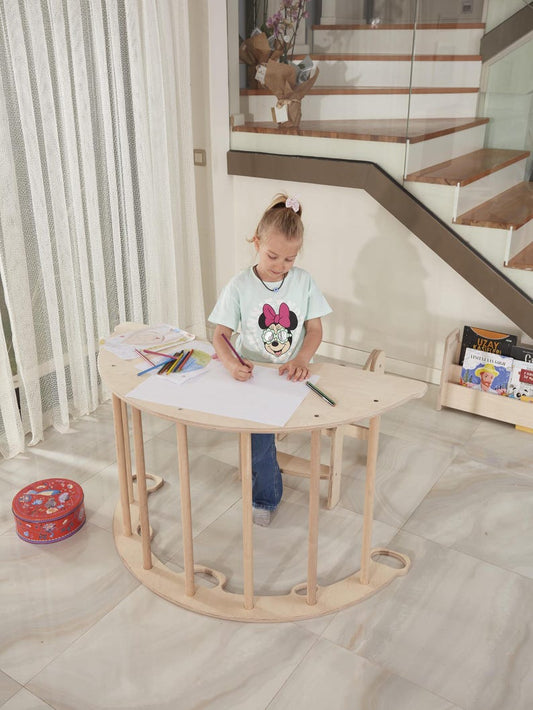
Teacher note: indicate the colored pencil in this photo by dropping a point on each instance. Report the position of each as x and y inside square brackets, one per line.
[184, 361]
[233, 350]
[145, 357]
[319, 392]
[176, 363]
[167, 365]
[149, 369]
[176, 356]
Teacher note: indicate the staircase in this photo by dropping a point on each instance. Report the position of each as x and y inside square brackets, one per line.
[358, 107]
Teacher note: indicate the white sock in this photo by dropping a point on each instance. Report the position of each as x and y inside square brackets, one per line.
[261, 517]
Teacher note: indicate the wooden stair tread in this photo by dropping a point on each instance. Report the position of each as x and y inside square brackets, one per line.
[389, 130]
[467, 168]
[512, 208]
[341, 57]
[523, 260]
[407, 26]
[347, 90]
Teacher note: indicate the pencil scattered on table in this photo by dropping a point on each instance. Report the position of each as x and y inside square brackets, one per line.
[157, 352]
[321, 394]
[144, 357]
[183, 362]
[169, 363]
[177, 363]
[173, 363]
[154, 367]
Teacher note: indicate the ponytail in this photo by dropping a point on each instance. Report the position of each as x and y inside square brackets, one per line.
[282, 215]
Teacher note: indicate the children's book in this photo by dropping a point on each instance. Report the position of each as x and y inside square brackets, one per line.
[521, 352]
[487, 372]
[521, 381]
[487, 340]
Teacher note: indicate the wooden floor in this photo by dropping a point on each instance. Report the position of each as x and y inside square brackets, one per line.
[394, 130]
[512, 208]
[469, 167]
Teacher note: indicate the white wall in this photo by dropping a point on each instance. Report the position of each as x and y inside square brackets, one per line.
[387, 289]
[198, 23]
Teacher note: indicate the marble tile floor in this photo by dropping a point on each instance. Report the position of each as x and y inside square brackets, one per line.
[453, 491]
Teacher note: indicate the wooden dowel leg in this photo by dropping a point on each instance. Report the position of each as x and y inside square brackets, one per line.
[314, 500]
[186, 516]
[121, 464]
[127, 451]
[138, 446]
[335, 467]
[368, 514]
[245, 446]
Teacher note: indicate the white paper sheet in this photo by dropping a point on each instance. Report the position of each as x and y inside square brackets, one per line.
[266, 398]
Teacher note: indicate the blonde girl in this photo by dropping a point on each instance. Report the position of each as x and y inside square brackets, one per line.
[277, 308]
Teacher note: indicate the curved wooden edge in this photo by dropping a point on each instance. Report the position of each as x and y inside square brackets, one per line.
[158, 482]
[215, 601]
[375, 362]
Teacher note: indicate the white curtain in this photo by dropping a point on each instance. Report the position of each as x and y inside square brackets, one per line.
[97, 202]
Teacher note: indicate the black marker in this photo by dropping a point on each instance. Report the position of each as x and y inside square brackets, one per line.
[321, 394]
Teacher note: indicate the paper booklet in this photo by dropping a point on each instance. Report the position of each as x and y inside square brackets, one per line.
[156, 337]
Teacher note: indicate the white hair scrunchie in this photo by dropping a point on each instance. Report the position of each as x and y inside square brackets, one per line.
[293, 203]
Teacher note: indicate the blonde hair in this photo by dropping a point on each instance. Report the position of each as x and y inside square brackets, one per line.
[280, 218]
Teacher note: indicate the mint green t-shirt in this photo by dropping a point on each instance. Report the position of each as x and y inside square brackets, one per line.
[271, 322]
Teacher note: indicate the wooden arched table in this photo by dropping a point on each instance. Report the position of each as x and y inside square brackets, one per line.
[360, 395]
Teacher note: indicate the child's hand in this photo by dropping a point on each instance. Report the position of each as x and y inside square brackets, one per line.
[241, 372]
[296, 370]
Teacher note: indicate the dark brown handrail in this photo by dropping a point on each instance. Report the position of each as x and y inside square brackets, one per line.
[437, 235]
[507, 33]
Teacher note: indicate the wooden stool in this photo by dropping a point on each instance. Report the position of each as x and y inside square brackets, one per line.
[297, 466]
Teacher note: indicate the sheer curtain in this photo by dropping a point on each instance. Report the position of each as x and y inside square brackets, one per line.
[97, 201]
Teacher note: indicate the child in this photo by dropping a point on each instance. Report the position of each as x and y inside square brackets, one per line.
[278, 307]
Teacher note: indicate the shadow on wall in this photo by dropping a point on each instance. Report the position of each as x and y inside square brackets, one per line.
[388, 308]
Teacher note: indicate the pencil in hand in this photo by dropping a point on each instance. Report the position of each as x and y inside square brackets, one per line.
[239, 358]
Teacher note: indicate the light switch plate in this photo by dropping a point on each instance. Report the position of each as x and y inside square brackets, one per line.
[199, 156]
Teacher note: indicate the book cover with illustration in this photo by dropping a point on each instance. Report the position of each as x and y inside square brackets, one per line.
[487, 372]
[487, 340]
[521, 381]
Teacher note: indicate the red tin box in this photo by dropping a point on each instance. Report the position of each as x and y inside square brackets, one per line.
[49, 510]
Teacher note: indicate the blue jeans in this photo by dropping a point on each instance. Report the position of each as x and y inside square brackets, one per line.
[267, 485]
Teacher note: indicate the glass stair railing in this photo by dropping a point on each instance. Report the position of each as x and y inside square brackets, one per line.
[402, 85]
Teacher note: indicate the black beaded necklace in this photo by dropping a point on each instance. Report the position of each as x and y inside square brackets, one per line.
[268, 287]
